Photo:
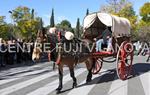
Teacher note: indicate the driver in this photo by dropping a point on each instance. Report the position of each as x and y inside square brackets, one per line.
[105, 38]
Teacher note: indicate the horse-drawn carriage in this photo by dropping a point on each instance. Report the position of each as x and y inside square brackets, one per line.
[121, 47]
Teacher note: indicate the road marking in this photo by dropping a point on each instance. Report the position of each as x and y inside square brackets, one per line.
[149, 83]
[21, 69]
[15, 71]
[84, 90]
[118, 87]
[21, 85]
[20, 75]
[32, 73]
[53, 85]
[145, 80]
[7, 81]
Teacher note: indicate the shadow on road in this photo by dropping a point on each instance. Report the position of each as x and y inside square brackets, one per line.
[140, 68]
[111, 75]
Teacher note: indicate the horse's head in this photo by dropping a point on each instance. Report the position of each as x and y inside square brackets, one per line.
[43, 38]
[36, 53]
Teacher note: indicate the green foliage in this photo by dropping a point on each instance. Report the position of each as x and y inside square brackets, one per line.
[41, 23]
[65, 25]
[28, 28]
[78, 34]
[2, 18]
[145, 12]
[144, 33]
[123, 8]
[4, 31]
[87, 11]
[32, 14]
[21, 13]
[52, 23]
[113, 6]
[26, 23]
[129, 13]
[144, 23]
[4, 28]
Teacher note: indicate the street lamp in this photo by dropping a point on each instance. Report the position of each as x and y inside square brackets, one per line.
[10, 12]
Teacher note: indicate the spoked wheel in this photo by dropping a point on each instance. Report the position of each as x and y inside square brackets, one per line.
[124, 60]
[97, 66]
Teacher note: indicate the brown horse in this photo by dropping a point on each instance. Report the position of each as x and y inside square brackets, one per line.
[42, 38]
[78, 53]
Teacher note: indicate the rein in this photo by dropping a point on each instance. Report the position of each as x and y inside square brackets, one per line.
[59, 47]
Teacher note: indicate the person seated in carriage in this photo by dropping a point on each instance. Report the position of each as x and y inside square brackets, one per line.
[104, 40]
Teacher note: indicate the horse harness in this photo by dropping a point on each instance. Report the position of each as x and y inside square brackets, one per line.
[61, 53]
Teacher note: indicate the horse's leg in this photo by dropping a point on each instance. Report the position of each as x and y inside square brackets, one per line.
[148, 58]
[52, 57]
[60, 70]
[54, 65]
[89, 65]
[73, 77]
[89, 76]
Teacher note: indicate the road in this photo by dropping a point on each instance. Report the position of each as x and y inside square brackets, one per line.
[40, 79]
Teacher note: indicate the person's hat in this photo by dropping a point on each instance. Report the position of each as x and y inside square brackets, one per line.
[69, 35]
[52, 30]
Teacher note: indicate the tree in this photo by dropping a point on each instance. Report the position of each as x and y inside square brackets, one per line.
[41, 24]
[128, 12]
[26, 24]
[113, 6]
[144, 33]
[52, 23]
[122, 8]
[32, 14]
[4, 28]
[87, 11]
[78, 28]
[21, 13]
[145, 12]
[5, 31]
[2, 20]
[144, 23]
[65, 25]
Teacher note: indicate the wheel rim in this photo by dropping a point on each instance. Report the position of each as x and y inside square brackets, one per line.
[97, 67]
[124, 61]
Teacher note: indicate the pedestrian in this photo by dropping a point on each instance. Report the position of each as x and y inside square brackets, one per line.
[2, 53]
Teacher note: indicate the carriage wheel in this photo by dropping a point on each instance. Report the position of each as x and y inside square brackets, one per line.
[97, 66]
[124, 60]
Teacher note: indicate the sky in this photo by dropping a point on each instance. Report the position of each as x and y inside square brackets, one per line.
[63, 9]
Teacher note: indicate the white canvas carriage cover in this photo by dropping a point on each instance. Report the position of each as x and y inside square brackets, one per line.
[119, 26]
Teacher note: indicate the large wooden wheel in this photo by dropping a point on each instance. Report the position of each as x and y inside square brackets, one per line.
[97, 65]
[124, 60]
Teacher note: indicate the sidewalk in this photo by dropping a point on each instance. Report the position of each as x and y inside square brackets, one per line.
[15, 65]
[24, 64]
[16, 69]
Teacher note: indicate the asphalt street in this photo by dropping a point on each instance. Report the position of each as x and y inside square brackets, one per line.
[40, 79]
